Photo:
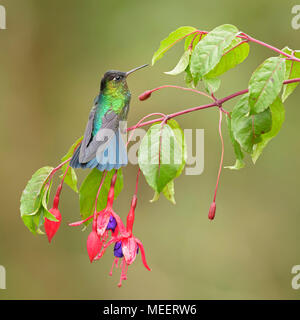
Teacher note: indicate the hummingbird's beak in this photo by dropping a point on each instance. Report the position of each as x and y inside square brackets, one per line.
[135, 69]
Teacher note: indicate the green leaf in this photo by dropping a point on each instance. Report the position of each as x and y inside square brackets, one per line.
[292, 71]
[161, 155]
[233, 55]
[239, 163]
[168, 192]
[89, 188]
[181, 65]
[208, 52]
[211, 85]
[71, 177]
[265, 84]
[179, 136]
[247, 129]
[188, 78]
[33, 197]
[278, 115]
[171, 40]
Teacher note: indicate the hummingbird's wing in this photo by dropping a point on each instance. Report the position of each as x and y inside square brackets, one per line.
[91, 143]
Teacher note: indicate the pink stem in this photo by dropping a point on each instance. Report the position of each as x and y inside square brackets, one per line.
[271, 47]
[137, 181]
[59, 188]
[144, 118]
[61, 165]
[222, 155]
[78, 223]
[194, 38]
[96, 201]
[181, 88]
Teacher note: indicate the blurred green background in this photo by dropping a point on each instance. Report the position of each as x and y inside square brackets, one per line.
[53, 55]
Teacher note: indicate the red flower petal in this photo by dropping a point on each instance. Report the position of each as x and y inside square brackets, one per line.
[129, 248]
[102, 222]
[93, 245]
[142, 253]
[51, 227]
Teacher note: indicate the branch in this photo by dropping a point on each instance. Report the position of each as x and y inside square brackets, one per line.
[214, 104]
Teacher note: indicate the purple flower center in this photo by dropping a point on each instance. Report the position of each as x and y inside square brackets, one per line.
[118, 249]
[111, 224]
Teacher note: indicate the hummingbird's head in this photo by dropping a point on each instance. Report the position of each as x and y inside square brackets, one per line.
[114, 80]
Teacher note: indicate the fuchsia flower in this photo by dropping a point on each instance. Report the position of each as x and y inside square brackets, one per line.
[127, 245]
[93, 245]
[50, 226]
[103, 221]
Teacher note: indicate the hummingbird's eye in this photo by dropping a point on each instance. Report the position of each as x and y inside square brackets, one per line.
[117, 78]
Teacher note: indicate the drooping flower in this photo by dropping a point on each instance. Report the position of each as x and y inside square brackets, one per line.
[94, 245]
[103, 221]
[127, 246]
[51, 226]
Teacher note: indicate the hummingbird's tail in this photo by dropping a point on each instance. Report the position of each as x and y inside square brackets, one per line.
[113, 157]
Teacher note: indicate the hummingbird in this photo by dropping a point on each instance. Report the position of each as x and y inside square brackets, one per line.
[103, 146]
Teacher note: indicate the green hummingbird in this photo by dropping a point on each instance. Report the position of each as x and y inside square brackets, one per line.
[102, 146]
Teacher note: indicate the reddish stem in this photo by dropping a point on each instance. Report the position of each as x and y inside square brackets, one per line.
[131, 214]
[96, 201]
[137, 181]
[58, 190]
[50, 176]
[271, 47]
[181, 88]
[78, 223]
[144, 118]
[222, 155]
[111, 192]
[194, 38]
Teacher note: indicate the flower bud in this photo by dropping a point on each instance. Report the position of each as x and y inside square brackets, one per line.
[212, 211]
[93, 245]
[51, 227]
[145, 95]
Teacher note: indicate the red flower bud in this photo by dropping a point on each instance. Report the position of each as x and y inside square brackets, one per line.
[212, 211]
[51, 227]
[145, 95]
[93, 245]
